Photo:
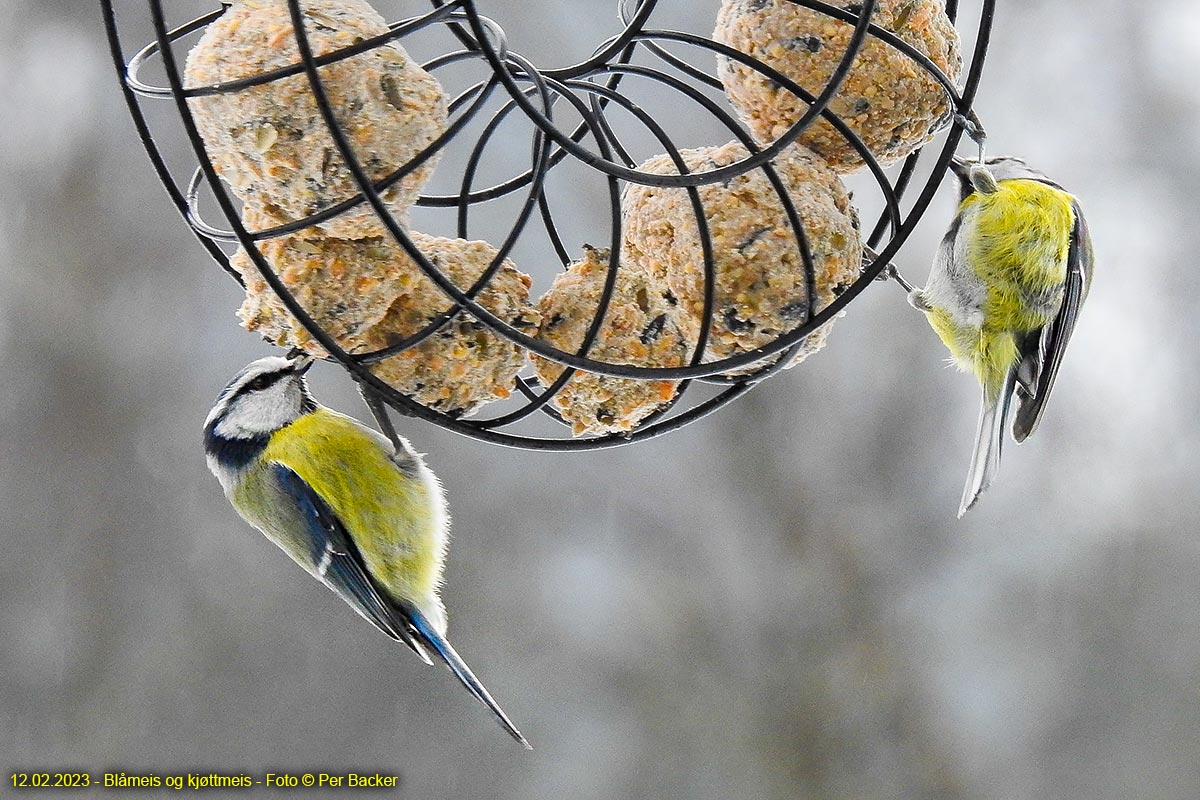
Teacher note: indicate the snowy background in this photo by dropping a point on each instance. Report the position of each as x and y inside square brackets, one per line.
[776, 602]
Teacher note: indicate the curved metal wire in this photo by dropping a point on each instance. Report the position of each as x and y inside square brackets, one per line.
[593, 91]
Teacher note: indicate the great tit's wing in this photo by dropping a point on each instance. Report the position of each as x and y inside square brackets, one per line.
[1042, 355]
[339, 563]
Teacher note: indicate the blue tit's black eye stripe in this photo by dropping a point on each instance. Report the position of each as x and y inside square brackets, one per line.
[263, 381]
[258, 383]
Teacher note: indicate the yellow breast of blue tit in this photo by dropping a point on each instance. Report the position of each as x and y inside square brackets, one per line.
[395, 518]
[1003, 275]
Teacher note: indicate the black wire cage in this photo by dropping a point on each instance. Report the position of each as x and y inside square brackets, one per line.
[592, 91]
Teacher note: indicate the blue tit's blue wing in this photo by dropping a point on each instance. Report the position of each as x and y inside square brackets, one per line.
[440, 645]
[339, 563]
[1042, 353]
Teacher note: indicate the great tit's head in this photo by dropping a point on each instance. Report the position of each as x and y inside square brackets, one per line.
[268, 394]
[1004, 168]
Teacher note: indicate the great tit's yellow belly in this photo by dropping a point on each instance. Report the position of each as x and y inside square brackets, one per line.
[394, 519]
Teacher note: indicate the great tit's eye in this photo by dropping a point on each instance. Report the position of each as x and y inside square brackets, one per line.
[261, 382]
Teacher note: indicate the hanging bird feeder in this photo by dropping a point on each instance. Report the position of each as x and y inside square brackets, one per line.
[313, 135]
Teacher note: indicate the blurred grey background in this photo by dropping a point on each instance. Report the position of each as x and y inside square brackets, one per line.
[776, 602]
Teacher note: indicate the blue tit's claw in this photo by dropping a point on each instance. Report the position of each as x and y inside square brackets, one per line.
[889, 272]
[968, 126]
[974, 129]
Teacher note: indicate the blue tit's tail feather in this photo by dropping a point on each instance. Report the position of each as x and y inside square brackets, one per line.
[426, 632]
[989, 442]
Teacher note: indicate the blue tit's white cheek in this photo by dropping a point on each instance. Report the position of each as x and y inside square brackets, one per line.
[262, 412]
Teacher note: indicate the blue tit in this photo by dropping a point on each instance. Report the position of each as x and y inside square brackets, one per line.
[367, 520]
[1004, 295]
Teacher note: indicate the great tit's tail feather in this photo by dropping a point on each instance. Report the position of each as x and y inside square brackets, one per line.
[989, 442]
[426, 632]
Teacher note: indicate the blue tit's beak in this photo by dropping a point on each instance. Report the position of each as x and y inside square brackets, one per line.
[301, 364]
